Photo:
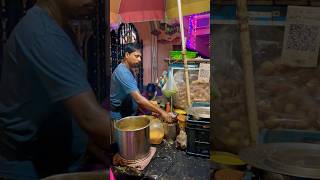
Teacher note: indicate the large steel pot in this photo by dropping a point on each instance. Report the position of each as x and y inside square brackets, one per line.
[101, 175]
[132, 137]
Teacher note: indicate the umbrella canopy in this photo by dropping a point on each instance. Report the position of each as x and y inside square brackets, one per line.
[188, 7]
[129, 11]
[114, 11]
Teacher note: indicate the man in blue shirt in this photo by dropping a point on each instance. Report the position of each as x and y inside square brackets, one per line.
[124, 94]
[46, 102]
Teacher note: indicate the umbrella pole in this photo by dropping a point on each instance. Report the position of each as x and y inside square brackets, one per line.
[248, 69]
[185, 62]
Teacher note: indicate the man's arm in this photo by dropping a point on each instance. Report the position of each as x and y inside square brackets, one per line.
[143, 102]
[63, 75]
[91, 117]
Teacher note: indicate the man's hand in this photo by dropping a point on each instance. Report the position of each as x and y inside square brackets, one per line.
[166, 117]
[144, 103]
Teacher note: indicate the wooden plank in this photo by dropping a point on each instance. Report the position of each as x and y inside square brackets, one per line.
[270, 2]
[189, 60]
[255, 23]
[315, 3]
[250, 2]
[246, 55]
[291, 2]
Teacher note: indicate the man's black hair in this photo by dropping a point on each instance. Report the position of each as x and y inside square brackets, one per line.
[151, 88]
[131, 47]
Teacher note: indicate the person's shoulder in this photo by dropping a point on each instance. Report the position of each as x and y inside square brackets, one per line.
[38, 23]
[120, 69]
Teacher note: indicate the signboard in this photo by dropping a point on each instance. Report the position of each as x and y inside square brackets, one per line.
[204, 73]
[302, 37]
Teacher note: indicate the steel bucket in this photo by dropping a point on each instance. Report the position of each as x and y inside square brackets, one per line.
[132, 137]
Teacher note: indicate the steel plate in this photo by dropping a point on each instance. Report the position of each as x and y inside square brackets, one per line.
[200, 112]
[293, 159]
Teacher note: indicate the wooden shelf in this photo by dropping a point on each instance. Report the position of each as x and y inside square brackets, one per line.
[254, 23]
[250, 2]
[264, 2]
[189, 60]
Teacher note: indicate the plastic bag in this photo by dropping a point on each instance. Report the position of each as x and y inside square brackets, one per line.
[287, 96]
[199, 91]
[170, 88]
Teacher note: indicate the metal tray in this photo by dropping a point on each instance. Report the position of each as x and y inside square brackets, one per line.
[293, 159]
[199, 112]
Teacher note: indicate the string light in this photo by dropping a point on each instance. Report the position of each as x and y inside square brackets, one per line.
[189, 31]
[191, 42]
[194, 31]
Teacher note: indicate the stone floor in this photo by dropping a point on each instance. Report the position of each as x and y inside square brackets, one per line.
[170, 164]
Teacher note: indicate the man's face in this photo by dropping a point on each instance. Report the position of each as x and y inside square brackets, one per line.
[133, 58]
[78, 8]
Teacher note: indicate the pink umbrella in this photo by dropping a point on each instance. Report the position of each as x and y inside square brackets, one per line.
[128, 11]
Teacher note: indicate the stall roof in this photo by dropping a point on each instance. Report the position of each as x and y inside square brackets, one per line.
[260, 12]
[271, 2]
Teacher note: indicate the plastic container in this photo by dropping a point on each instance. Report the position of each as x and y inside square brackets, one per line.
[178, 56]
[156, 130]
[170, 131]
[226, 158]
[198, 138]
[181, 121]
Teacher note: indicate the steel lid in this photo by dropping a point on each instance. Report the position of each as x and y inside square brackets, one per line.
[201, 112]
[293, 159]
